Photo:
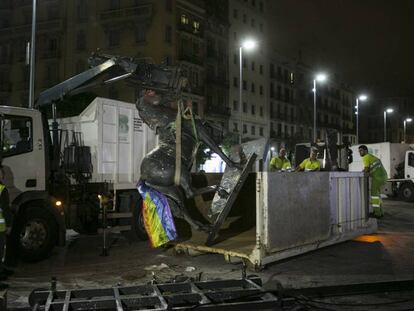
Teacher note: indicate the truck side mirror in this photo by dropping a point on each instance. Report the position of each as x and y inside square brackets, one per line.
[350, 157]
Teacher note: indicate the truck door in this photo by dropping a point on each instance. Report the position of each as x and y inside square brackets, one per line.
[409, 165]
[23, 154]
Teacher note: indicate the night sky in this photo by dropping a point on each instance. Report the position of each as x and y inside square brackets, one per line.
[368, 43]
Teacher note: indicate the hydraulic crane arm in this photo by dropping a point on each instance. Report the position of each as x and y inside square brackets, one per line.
[60, 90]
[161, 78]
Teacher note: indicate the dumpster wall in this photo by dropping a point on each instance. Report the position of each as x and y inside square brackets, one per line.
[304, 208]
[294, 213]
[297, 209]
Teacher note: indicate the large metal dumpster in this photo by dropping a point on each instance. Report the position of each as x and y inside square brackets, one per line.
[295, 213]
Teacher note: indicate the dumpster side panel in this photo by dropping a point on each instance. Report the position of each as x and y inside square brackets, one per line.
[298, 209]
[349, 201]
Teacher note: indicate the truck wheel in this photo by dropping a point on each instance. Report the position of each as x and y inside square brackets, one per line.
[138, 226]
[407, 192]
[37, 234]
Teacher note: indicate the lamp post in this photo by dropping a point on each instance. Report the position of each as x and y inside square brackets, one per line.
[359, 98]
[32, 57]
[405, 128]
[320, 78]
[389, 110]
[248, 44]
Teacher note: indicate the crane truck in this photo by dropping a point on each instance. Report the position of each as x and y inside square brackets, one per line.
[54, 179]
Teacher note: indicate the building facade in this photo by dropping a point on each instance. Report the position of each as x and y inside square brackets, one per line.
[251, 116]
[172, 32]
[372, 115]
[292, 104]
[202, 37]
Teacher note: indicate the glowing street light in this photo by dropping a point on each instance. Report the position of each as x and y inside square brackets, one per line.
[407, 120]
[359, 98]
[388, 110]
[320, 77]
[248, 45]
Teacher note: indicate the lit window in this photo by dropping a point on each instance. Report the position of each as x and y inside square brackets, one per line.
[184, 20]
[196, 27]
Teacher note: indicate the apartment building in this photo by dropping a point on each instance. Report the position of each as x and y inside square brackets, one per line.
[372, 120]
[292, 104]
[173, 32]
[250, 117]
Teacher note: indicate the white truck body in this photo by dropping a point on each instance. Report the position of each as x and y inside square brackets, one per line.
[118, 139]
[390, 154]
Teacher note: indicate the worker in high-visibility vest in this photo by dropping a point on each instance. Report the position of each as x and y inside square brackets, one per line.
[310, 164]
[378, 174]
[280, 163]
[5, 220]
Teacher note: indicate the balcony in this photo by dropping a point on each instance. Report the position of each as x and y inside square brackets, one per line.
[277, 135]
[218, 110]
[193, 59]
[50, 25]
[51, 54]
[331, 125]
[212, 54]
[136, 13]
[279, 116]
[199, 90]
[6, 60]
[5, 5]
[21, 3]
[42, 27]
[217, 79]
[188, 29]
[5, 87]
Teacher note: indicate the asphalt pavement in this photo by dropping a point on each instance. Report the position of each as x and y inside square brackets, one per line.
[385, 256]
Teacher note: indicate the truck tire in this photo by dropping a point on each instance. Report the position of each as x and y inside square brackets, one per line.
[407, 192]
[138, 226]
[37, 234]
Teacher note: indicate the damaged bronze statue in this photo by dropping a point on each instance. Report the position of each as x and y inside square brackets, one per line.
[159, 167]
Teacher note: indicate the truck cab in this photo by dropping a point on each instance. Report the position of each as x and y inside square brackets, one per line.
[409, 165]
[38, 222]
[24, 158]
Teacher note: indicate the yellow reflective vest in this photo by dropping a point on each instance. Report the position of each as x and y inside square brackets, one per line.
[2, 219]
[278, 164]
[310, 165]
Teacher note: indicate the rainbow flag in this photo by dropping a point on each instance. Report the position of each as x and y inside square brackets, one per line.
[158, 219]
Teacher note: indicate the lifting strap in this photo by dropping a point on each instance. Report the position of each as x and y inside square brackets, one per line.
[186, 114]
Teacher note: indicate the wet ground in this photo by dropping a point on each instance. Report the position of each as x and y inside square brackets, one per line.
[388, 255]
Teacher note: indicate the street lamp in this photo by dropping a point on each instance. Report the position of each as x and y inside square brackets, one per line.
[320, 78]
[359, 98]
[32, 56]
[248, 45]
[389, 110]
[405, 128]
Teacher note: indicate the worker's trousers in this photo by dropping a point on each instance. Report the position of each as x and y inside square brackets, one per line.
[376, 201]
